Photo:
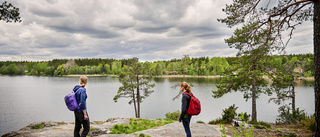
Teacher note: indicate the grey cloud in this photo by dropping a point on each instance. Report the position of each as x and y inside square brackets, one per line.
[159, 16]
[52, 1]
[150, 30]
[46, 12]
[154, 28]
[96, 33]
[9, 52]
[76, 53]
[200, 32]
[163, 10]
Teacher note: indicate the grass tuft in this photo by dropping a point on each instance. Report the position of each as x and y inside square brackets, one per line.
[138, 125]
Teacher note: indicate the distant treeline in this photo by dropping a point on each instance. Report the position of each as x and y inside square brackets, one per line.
[189, 66]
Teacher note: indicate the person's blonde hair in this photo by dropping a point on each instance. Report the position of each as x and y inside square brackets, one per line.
[186, 86]
[83, 81]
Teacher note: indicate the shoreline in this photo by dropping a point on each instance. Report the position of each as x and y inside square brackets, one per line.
[90, 75]
[306, 78]
[171, 76]
[188, 76]
[162, 76]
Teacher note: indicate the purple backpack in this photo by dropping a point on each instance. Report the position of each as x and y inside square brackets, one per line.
[71, 101]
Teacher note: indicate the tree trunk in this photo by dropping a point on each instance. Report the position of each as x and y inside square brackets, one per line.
[254, 91]
[293, 99]
[316, 45]
[254, 103]
[138, 96]
[184, 74]
[134, 104]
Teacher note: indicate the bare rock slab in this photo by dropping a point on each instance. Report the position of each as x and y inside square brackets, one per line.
[101, 128]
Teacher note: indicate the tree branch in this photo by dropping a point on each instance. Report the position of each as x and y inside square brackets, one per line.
[285, 9]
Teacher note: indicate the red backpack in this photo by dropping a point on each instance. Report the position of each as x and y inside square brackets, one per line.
[194, 105]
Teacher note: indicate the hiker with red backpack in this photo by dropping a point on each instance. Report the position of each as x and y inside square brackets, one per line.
[190, 106]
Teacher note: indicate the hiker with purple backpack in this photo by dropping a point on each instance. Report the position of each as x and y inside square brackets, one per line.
[81, 115]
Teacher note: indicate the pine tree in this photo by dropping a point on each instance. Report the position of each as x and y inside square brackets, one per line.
[135, 85]
[276, 17]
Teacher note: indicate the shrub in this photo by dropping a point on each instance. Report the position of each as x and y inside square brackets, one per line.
[217, 121]
[285, 117]
[309, 123]
[174, 115]
[245, 116]
[229, 113]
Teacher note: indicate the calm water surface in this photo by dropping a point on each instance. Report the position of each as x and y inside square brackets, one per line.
[27, 99]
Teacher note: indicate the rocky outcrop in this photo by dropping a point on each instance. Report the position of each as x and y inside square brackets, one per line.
[102, 128]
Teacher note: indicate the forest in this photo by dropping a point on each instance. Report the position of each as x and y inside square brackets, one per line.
[201, 66]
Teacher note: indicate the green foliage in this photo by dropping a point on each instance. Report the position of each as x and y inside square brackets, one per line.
[174, 115]
[142, 135]
[138, 125]
[135, 85]
[260, 34]
[285, 117]
[249, 79]
[247, 132]
[9, 13]
[59, 71]
[12, 69]
[245, 116]
[37, 127]
[309, 123]
[191, 66]
[217, 121]
[229, 113]
[116, 67]
[201, 122]
[92, 128]
[223, 130]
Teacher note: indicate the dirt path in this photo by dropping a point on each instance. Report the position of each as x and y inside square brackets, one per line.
[100, 129]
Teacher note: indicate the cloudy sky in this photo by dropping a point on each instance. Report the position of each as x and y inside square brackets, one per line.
[148, 29]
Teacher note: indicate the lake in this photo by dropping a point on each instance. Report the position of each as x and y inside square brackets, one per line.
[27, 99]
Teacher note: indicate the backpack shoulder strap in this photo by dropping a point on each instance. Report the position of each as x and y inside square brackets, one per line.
[188, 94]
[78, 90]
